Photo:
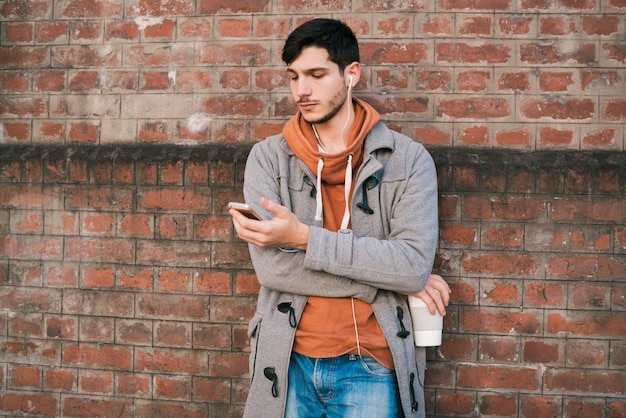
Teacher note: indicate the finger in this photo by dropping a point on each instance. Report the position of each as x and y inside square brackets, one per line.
[439, 300]
[442, 294]
[236, 218]
[269, 205]
[428, 300]
[246, 228]
[279, 211]
[434, 307]
[443, 285]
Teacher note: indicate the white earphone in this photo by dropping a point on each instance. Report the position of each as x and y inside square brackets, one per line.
[349, 106]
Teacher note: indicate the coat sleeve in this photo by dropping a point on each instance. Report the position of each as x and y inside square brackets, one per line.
[286, 271]
[403, 261]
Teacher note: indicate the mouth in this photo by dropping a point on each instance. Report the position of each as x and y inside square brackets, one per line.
[307, 106]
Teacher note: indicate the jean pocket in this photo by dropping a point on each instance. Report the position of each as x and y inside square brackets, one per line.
[372, 366]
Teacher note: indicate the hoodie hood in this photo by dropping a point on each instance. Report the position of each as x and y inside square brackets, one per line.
[335, 172]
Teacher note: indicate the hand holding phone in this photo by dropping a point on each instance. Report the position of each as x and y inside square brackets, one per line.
[245, 210]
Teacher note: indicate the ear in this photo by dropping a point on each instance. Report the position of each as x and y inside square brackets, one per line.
[353, 72]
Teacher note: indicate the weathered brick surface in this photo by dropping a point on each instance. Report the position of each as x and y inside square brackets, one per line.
[113, 287]
[124, 127]
[491, 74]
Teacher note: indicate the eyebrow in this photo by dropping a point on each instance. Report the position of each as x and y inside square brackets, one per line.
[310, 70]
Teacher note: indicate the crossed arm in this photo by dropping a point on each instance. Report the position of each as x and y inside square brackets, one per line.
[285, 230]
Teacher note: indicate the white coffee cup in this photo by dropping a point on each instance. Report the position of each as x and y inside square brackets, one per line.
[426, 327]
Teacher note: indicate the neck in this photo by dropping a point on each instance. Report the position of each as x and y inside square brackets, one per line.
[331, 137]
[329, 147]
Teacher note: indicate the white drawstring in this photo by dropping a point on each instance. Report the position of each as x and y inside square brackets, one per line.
[318, 194]
[347, 187]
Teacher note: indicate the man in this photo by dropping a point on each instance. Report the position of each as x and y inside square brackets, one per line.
[350, 229]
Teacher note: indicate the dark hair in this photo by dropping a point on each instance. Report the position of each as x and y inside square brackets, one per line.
[333, 35]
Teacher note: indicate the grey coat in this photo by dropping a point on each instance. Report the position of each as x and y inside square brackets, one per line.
[386, 254]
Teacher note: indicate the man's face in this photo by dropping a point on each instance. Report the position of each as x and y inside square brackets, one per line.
[317, 85]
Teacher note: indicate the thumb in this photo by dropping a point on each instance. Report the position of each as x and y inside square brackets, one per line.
[270, 205]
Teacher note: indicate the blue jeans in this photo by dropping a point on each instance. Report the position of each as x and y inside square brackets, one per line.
[347, 386]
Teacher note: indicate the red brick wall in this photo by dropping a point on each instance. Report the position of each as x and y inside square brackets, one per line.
[536, 246]
[124, 127]
[122, 287]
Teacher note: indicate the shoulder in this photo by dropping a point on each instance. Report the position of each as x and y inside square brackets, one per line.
[407, 144]
[270, 143]
[272, 148]
[397, 147]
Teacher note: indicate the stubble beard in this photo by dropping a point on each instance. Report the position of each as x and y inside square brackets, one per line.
[335, 106]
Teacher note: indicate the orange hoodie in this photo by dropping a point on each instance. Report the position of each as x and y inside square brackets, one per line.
[329, 326]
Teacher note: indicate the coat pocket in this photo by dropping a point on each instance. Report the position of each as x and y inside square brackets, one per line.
[254, 327]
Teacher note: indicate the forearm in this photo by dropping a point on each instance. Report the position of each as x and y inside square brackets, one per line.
[286, 272]
[395, 265]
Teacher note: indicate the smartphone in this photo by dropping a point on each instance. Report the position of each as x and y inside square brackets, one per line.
[245, 209]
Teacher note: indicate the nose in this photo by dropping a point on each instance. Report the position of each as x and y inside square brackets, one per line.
[302, 88]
